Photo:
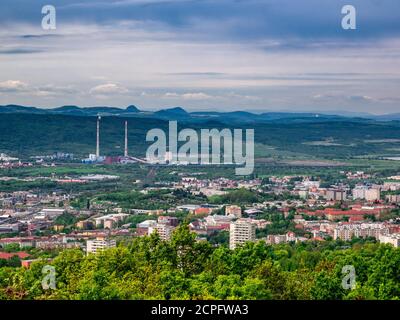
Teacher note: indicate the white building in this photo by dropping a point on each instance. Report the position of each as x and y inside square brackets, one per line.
[393, 239]
[241, 231]
[373, 194]
[51, 212]
[369, 194]
[234, 210]
[6, 158]
[93, 246]
[163, 230]
[147, 224]
[335, 195]
[359, 192]
[218, 220]
[115, 218]
[359, 230]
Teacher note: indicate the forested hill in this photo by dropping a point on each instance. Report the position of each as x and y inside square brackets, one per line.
[32, 134]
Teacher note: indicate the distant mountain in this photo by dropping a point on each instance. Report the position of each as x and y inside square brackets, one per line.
[12, 108]
[178, 113]
[132, 108]
[71, 110]
[387, 117]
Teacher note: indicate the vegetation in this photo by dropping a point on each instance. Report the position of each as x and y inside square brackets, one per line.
[347, 138]
[184, 268]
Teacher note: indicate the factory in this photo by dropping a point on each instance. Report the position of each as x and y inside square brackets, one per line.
[99, 159]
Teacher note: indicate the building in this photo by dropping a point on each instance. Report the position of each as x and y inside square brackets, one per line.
[203, 211]
[367, 193]
[393, 198]
[101, 243]
[51, 213]
[8, 256]
[109, 224]
[276, 238]
[373, 194]
[115, 218]
[233, 210]
[335, 195]
[359, 192]
[171, 221]
[241, 231]
[393, 239]
[355, 213]
[163, 230]
[359, 230]
[23, 242]
[218, 220]
[85, 225]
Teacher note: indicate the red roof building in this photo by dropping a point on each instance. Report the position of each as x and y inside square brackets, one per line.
[8, 256]
[206, 211]
[334, 214]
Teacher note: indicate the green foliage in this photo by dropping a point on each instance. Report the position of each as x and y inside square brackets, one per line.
[239, 196]
[185, 268]
[66, 219]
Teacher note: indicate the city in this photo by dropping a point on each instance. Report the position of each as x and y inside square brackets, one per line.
[207, 159]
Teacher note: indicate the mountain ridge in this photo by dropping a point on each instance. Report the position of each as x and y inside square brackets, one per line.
[179, 113]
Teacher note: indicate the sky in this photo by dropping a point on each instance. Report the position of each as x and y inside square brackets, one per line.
[219, 55]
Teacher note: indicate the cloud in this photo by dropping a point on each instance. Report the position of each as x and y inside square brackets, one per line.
[13, 86]
[188, 96]
[52, 90]
[361, 98]
[259, 54]
[225, 19]
[19, 51]
[206, 96]
[196, 96]
[23, 88]
[354, 98]
[108, 89]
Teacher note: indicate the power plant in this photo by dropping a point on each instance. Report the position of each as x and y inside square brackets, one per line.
[97, 158]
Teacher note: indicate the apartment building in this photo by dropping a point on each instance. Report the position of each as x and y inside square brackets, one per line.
[100, 243]
[369, 194]
[163, 230]
[359, 230]
[241, 231]
[393, 239]
[335, 195]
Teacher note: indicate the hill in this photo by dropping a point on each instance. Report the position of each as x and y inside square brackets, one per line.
[31, 134]
[179, 113]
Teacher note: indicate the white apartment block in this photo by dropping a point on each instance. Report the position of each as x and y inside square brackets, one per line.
[393, 239]
[335, 195]
[373, 194]
[93, 246]
[163, 230]
[369, 194]
[241, 231]
[115, 217]
[360, 230]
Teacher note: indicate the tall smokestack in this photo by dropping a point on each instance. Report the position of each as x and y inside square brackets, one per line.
[98, 137]
[126, 139]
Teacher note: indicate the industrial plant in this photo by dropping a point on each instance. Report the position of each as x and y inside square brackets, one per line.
[97, 158]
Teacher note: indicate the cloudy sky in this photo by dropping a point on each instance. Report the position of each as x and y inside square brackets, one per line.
[253, 55]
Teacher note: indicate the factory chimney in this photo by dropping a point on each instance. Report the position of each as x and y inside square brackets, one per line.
[98, 137]
[126, 139]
